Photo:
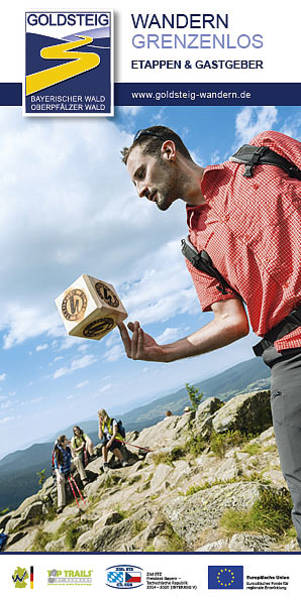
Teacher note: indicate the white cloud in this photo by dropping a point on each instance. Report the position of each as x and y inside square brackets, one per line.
[5, 405]
[168, 335]
[292, 125]
[6, 420]
[105, 388]
[251, 120]
[115, 353]
[36, 400]
[130, 110]
[2, 376]
[76, 364]
[215, 157]
[82, 384]
[42, 347]
[26, 322]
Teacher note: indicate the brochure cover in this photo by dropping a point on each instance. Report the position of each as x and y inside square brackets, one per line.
[150, 170]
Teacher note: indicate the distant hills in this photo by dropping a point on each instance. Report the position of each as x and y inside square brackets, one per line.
[18, 470]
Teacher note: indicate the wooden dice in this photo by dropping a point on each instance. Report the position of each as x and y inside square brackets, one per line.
[90, 308]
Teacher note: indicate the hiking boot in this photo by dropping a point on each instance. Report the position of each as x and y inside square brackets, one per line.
[85, 482]
[59, 510]
[124, 463]
[105, 467]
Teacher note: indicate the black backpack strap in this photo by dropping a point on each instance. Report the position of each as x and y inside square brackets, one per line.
[202, 262]
[262, 155]
[288, 324]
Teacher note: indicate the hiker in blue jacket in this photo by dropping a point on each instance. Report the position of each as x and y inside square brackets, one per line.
[62, 466]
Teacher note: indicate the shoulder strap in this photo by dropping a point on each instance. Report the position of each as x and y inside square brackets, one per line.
[262, 155]
[202, 262]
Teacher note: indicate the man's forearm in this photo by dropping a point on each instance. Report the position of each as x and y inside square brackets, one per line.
[214, 335]
[229, 324]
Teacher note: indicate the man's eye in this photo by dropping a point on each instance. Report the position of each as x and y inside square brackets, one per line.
[141, 173]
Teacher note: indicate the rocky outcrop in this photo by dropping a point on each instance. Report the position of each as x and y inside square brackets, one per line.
[249, 413]
[190, 516]
[175, 492]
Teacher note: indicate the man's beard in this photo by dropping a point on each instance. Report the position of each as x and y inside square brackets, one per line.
[164, 201]
[168, 193]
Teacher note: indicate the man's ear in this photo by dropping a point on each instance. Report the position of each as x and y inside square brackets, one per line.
[168, 150]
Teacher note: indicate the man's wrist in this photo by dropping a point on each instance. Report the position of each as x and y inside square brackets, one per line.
[176, 350]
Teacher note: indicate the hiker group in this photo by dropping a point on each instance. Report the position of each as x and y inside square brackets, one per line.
[75, 454]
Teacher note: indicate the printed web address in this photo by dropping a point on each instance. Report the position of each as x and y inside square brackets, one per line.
[191, 95]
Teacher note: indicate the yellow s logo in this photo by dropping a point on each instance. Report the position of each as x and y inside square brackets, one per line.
[80, 63]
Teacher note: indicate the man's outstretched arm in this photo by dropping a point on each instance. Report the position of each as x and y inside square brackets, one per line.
[230, 323]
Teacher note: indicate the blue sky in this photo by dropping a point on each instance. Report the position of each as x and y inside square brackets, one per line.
[69, 208]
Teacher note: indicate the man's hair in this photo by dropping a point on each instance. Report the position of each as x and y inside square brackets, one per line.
[152, 140]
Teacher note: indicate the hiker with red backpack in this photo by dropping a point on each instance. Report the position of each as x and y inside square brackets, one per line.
[111, 439]
[244, 248]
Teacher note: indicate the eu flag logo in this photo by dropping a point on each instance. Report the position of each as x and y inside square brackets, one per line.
[225, 578]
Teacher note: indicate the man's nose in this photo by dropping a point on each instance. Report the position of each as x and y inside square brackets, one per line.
[142, 190]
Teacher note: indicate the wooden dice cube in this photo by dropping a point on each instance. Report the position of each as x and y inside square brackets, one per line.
[90, 308]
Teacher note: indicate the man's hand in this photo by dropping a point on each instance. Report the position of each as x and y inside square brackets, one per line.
[140, 346]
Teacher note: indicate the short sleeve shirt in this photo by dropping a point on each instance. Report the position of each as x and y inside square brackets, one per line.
[251, 228]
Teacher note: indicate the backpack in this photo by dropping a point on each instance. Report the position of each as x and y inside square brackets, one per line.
[121, 429]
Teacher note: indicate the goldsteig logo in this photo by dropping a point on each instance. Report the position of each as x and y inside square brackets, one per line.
[74, 305]
[69, 63]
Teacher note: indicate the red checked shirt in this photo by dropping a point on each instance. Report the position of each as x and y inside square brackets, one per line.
[251, 228]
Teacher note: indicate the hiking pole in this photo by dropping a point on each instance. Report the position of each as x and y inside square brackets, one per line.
[73, 492]
[140, 447]
[82, 498]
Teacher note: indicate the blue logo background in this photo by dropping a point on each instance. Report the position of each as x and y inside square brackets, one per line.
[225, 578]
[124, 576]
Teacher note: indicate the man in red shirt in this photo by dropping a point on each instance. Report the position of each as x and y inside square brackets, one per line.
[251, 229]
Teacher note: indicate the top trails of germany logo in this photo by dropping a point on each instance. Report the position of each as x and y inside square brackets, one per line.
[69, 63]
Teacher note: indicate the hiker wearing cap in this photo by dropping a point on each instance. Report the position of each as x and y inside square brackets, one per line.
[243, 248]
[62, 467]
[110, 438]
[81, 445]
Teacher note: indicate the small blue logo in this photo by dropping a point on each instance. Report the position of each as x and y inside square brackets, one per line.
[124, 576]
[225, 578]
